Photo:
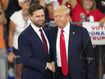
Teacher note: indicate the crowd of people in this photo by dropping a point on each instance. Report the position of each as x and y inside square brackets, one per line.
[46, 39]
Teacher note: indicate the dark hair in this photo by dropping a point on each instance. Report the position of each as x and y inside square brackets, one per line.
[34, 7]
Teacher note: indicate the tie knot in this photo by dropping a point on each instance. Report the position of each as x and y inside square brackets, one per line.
[40, 30]
[62, 31]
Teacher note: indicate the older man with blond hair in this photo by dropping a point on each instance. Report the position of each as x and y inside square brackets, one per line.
[71, 48]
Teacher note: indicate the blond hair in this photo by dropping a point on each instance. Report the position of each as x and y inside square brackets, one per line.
[62, 8]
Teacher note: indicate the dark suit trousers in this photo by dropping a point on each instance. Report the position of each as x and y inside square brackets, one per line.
[59, 74]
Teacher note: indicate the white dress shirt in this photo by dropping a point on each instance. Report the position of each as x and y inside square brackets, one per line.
[66, 35]
[36, 29]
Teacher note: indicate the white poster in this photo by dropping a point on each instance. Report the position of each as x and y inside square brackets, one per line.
[96, 32]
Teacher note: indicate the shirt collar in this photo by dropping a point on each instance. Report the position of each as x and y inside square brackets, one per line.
[66, 28]
[35, 27]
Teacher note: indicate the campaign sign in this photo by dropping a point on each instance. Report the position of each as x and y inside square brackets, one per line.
[96, 32]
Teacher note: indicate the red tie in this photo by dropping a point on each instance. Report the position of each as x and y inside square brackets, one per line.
[44, 40]
[64, 62]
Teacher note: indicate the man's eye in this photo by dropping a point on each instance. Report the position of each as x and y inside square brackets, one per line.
[40, 16]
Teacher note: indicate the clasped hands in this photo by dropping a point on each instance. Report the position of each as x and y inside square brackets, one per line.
[51, 66]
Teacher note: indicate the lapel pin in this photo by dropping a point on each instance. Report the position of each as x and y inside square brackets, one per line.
[73, 33]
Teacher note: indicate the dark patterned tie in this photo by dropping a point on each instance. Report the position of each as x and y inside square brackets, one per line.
[44, 41]
[64, 61]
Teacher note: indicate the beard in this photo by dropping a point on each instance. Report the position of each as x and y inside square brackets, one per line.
[39, 24]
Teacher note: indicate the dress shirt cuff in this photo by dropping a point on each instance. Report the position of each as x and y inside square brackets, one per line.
[46, 66]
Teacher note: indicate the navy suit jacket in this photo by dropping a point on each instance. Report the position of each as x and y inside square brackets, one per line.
[79, 49]
[33, 55]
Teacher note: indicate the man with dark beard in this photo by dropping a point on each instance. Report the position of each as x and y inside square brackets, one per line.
[34, 47]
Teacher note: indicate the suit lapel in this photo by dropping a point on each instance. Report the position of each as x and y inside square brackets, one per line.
[54, 34]
[70, 41]
[71, 44]
[35, 38]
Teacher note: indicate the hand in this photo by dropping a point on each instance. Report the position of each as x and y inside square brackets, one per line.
[51, 66]
[11, 56]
